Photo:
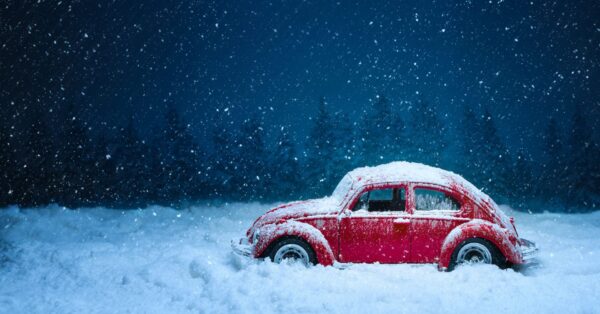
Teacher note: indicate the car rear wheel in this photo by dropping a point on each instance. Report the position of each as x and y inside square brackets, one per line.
[291, 251]
[477, 251]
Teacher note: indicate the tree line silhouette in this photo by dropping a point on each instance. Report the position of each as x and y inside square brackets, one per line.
[62, 161]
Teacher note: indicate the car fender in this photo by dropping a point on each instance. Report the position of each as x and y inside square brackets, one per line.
[478, 228]
[314, 237]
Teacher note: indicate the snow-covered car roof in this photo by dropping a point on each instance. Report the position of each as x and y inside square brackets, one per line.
[403, 171]
[399, 171]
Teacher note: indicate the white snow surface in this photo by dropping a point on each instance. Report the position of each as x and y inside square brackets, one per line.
[162, 260]
[320, 206]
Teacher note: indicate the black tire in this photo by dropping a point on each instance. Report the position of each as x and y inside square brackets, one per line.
[292, 244]
[495, 257]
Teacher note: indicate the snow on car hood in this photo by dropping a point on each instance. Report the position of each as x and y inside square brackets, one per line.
[321, 206]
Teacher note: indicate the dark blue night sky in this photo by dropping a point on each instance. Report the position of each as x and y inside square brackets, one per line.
[120, 63]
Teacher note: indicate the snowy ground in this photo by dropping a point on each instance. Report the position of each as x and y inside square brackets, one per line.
[160, 260]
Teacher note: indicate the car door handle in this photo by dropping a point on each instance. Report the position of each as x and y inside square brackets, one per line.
[401, 221]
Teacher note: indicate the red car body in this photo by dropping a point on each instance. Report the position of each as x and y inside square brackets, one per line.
[401, 228]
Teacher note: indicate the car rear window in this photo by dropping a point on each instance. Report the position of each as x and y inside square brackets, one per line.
[433, 200]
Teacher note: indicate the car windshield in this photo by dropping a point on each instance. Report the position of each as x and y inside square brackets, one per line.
[342, 189]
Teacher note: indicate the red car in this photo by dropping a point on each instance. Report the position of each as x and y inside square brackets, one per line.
[399, 212]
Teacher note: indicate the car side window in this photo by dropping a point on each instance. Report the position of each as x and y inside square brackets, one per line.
[429, 200]
[382, 200]
[381, 195]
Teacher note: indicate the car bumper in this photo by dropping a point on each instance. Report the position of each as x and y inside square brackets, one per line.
[242, 247]
[529, 250]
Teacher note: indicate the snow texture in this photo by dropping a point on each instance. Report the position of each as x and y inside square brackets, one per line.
[160, 260]
[321, 206]
[402, 171]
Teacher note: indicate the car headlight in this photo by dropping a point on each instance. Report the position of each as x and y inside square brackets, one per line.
[256, 236]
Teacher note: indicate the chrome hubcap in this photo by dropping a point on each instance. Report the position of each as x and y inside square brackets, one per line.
[291, 253]
[474, 253]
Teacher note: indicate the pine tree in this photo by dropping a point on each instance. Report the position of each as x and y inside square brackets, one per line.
[495, 159]
[362, 145]
[286, 181]
[554, 165]
[5, 161]
[375, 133]
[104, 171]
[595, 175]
[381, 133]
[344, 145]
[397, 138]
[9, 167]
[129, 171]
[38, 170]
[181, 159]
[521, 185]
[252, 178]
[71, 161]
[469, 142]
[320, 153]
[153, 165]
[223, 165]
[427, 139]
[147, 183]
[580, 180]
[485, 159]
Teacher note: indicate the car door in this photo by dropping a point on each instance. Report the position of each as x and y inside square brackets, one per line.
[375, 228]
[436, 212]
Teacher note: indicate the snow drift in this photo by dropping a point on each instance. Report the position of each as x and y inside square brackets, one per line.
[164, 260]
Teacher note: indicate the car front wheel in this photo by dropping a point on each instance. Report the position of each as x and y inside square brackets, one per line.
[293, 250]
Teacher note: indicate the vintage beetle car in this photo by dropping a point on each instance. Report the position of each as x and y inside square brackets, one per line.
[399, 212]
